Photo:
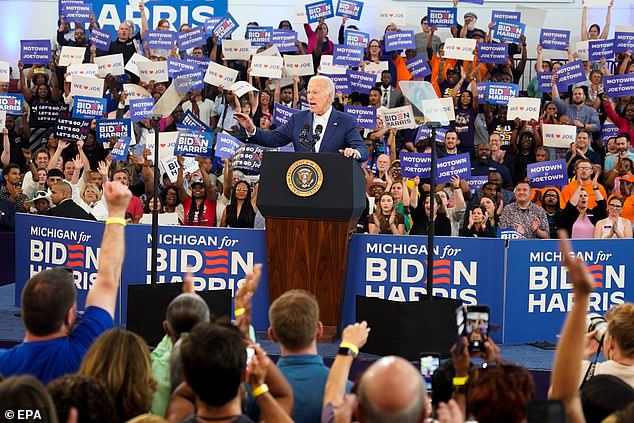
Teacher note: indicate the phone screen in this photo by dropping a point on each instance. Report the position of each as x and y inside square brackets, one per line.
[250, 354]
[477, 326]
[428, 365]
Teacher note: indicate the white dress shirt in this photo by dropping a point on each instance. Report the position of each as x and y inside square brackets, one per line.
[323, 121]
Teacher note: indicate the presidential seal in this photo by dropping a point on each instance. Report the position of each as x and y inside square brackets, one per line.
[304, 178]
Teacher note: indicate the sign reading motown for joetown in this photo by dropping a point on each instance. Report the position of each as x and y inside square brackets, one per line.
[304, 178]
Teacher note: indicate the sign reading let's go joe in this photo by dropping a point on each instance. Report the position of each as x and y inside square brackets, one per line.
[533, 288]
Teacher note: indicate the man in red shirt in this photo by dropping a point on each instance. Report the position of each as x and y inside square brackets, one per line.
[200, 207]
[135, 208]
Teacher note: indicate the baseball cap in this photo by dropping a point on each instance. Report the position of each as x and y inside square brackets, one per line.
[628, 178]
[197, 182]
[375, 182]
[471, 14]
[478, 33]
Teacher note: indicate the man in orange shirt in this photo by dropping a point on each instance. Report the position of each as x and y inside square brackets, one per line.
[583, 170]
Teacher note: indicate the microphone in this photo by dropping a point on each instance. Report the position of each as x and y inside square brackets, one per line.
[318, 130]
[303, 137]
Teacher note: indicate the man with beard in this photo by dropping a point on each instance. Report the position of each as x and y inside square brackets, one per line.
[579, 150]
[583, 170]
[622, 151]
[483, 164]
[390, 97]
[79, 36]
[451, 143]
[525, 217]
[580, 115]
[492, 188]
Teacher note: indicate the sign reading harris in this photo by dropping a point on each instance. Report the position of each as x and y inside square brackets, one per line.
[598, 49]
[71, 129]
[493, 52]
[118, 128]
[366, 116]
[11, 103]
[35, 52]
[415, 164]
[399, 40]
[319, 9]
[447, 167]
[193, 143]
[344, 55]
[163, 40]
[282, 114]
[355, 38]
[554, 39]
[226, 26]
[418, 67]
[259, 35]
[350, 8]
[570, 73]
[88, 107]
[619, 85]
[548, 174]
[442, 17]
[226, 146]
[508, 31]
[120, 149]
[501, 92]
[100, 39]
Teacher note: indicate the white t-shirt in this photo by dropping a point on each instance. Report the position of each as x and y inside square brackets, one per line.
[206, 108]
[610, 367]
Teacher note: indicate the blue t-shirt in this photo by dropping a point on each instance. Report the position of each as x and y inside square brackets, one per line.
[48, 360]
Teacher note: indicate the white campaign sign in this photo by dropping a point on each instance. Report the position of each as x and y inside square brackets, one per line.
[524, 108]
[459, 48]
[86, 86]
[236, 49]
[153, 71]
[167, 142]
[131, 65]
[300, 14]
[271, 51]
[135, 92]
[82, 69]
[598, 3]
[582, 50]
[398, 117]
[392, 14]
[376, 69]
[4, 71]
[111, 64]
[326, 66]
[240, 88]
[300, 65]
[220, 75]
[71, 55]
[559, 135]
[267, 66]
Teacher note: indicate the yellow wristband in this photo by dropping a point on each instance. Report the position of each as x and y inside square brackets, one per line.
[239, 312]
[260, 390]
[116, 221]
[460, 381]
[350, 346]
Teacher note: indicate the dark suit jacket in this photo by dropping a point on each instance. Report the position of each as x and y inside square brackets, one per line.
[340, 133]
[68, 208]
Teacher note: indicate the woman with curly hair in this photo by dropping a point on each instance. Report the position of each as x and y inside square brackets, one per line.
[121, 360]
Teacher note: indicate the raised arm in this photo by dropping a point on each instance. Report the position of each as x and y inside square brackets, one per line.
[103, 293]
[584, 21]
[182, 194]
[6, 151]
[606, 27]
[26, 92]
[144, 23]
[61, 146]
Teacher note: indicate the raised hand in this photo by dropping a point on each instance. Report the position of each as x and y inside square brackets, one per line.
[117, 198]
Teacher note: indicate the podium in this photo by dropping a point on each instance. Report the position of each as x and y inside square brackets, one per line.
[311, 202]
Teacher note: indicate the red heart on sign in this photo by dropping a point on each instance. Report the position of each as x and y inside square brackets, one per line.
[266, 66]
[151, 71]
[521, 108]
[235, 49]
[85, 87]
[163, 145]
[558, 135]
[391, 15]
[458, 48]
[220, 76]
[109, 64]
[296, 65]
[82, 72]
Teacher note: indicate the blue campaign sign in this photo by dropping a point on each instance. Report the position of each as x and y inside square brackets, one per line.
[350, 8]
[415, 164]
[395, 268]
[425, 132]
[193, 143]
[554, 39]
[108, 128]
[360, 82]
[570, 73]
[110, 13]
[493, 52]
[446, 167]
[319, 9]
[210, 25]
[480, 2]
[608, 130]
[619, 85]
[552, 173]
[482, 88]
[508, 31]
[141, 108]
[509, 233]
[121, 149]
[598, 49]
[100, 39]
[201, 62]
[623, 41]
[501, 92]
[219, 258]
[476, 182]
[545, 82]
[47, 242]
[11, 103]
[186, 81]
[158, 39]
[35, 52]
[226, 26]
[226, 146]
[282, 114]
[284, 39]
[191, 39]
[189, 119]
[344, 55]
[538, 289]
[88, 107]
[418, 67]
[366, 116]
[342, 84]
[442, 17]
[399, 40]
[259, 35]
[176, 66]
[503, 15]
[355, 38]
[77, 12]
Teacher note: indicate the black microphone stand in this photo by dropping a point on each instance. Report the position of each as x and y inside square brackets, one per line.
[432, 203]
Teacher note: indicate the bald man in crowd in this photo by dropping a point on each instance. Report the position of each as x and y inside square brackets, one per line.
[61, 195]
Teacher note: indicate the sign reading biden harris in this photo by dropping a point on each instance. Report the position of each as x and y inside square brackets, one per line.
[539, 290]
[110, 13]
[395, 268]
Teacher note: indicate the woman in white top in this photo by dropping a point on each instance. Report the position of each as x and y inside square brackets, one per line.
[614, 226]
[90, 199]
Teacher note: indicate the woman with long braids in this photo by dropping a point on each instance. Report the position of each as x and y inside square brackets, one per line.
[200, 207]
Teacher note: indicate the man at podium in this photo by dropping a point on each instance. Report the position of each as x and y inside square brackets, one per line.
[320, 129]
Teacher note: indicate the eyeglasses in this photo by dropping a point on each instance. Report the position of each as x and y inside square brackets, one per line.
[616, 206]
[584, 168]
[550, 195]
[242, 189]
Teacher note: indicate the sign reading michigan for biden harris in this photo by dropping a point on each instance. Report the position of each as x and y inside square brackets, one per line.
[538, 290]
[395, 268]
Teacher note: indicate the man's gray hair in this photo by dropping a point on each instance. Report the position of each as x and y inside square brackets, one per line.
[329, 84]
[130, 24]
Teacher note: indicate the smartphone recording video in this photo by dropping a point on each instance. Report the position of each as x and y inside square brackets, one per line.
[429, 362]
[477, 326]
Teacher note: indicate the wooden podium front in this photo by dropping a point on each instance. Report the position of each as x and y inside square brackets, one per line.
[308, 229]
